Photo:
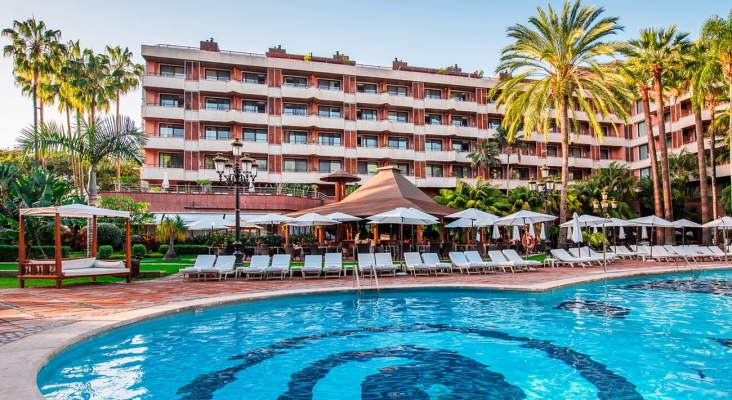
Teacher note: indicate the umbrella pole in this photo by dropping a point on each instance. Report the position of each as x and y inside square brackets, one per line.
[604, 250]
[651, 244]
[725, 245]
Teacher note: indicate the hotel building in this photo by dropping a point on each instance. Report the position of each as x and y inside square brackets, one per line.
[303, 116]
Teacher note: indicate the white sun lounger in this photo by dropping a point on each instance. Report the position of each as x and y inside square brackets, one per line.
[313, 266]
[687, 253]
[660, 253]
[609, 256]
[583, 253]
[414, 264]
[562, 257]
[624, 252]
[257, 266]
[333, 265]
[280, 266]
[497, 257]
[512, 255]
[706, 251]
[462, 264]
[439, 267]
[203, 267]
[474, 257]
[384, 264]
[716, 250]
[225, 266]
[366, 263]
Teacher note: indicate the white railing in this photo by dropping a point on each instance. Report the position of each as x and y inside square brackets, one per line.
[220, 189]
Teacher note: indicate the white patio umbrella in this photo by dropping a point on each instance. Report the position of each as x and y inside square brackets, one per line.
[516, 233]
[652, 221]
[524, 217]
[244, 225]
[312, 219]
[683, 224]
[461, 223]
[576, 231]
[342, 217]
[542, 235]
[621, 233]
[473, 215]
[207, 223]
[723, 223]
[270, 219]
[403, 216]
[166, 182]
[583, 221]
[496, 232]
[644, 233]
[532, 232]
[569, 232]
[594, 229]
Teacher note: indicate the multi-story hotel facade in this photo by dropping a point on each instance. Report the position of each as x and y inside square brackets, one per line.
[302, 117]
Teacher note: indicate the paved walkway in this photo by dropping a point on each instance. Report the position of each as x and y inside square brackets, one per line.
[24, 312]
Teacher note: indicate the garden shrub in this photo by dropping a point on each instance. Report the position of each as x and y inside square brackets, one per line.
[109, 234]
[105, 252]
[139, 251]
[185, 249]
[9, 252]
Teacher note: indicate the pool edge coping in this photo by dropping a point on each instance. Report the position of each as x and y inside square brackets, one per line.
[24, 358]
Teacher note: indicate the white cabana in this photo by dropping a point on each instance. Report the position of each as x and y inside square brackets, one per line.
[73, 211]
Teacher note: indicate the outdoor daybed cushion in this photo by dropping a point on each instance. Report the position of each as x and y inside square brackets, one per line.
[92, 266]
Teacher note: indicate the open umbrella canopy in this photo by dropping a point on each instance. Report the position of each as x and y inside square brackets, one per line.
[341, 217]
[584, 220]
[685, 223]
[496, 232]
[576, 231]
[472, 213]
[516, 233]
[721, 223]
[542, 235]
[312, 219]
[524, 217]
[613, 222]
[652, 221]
[404, 216]
[270, 219]
[461, 223]
[243, 225]
[621, 233]
[209, 223]
[644, 233]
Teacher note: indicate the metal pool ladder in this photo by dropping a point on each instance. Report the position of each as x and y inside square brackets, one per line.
[373, 281]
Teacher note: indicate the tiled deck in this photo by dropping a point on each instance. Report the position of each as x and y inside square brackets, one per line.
[27, 311]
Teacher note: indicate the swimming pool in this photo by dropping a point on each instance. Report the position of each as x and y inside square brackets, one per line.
[655, 337]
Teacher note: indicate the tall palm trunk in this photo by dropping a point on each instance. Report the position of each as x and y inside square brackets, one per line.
[35, 115]
[119, 163]
[730, 128]
[42, 120]
[565, 169]
[713, 172]
[74, 177]
[668, 211]
[703, 188]
[93, 192]
[657, 203]
[508, 169]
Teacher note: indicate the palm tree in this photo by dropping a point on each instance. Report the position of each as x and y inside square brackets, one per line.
[90, 75]
[717, 33]
[659, 51]
[171, 229]
[557, 69]
[485, 156]
[125, 77]
[31, 49]
[515, 145]
[484, 196]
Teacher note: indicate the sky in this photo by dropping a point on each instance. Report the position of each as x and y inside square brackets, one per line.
[424, 33]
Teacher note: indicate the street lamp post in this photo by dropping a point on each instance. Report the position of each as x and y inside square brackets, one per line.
[237, 175]
[605, 206]
[545, 189]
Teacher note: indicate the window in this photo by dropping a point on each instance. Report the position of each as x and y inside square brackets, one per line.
[261, 163]
[368, 115]
[402, 167]
[461, 145]
[433, 119]
[217, 132]
[398, 143]
[494, 123]
[254, 106]
[329, 139]
[325, 84]
[639, 106]
[397, 116]
[641, 128]
[520, 173]
[433, 145]
[296, 109]
[462, 171]
[255, 135]
[329, 112]
[249, 77]
[575, 152]
[645, 172]
[368, 141]
[433, 170]
[669, 142]
[643, 152]
[298, 137]
[208, 161]
[293, 81]
[328, 166]
[172, 71]
[397, 90]
[217, 75]
[170, 130]
[432, 94]
[575, 175]
[367, 167]
[460, 121]
[604, 154]
[497, 173]
[171, 100]
[603, 129]
[170, 160]
[459, 96]
[215, 103]
[296, 165]
[551, 151]
[667, 116]
[366, 88]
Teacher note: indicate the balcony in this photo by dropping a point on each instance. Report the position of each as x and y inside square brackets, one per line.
[370, 98]
[313, 120]
[467, 106]
[313, 149]
[438, 182]
[399, 101]
[463, 131]
[155, 111]
[166, 143]
[301, 177]
[438, 104]
[430, 129]
[254, 118]
[441, 156]
[312, 92]
[373, 125]
[162, 82]
[372, 152]
[398, 127]
[579, 162]
[222, 116]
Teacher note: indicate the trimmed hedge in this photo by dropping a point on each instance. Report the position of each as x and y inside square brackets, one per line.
[185, 249]
[138, 251]
[105, 252]
[9, 252]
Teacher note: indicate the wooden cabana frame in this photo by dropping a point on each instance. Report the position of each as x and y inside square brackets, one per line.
[47, 269]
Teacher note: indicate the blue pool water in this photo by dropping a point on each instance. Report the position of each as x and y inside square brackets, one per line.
[654, 338]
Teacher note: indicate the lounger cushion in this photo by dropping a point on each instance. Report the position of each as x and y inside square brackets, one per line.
[108, 264]
[79, 263]
[95, 271]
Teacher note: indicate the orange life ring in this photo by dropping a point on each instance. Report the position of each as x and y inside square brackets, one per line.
[528, 241]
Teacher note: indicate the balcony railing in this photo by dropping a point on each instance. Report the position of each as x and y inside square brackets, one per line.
[216, 189]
